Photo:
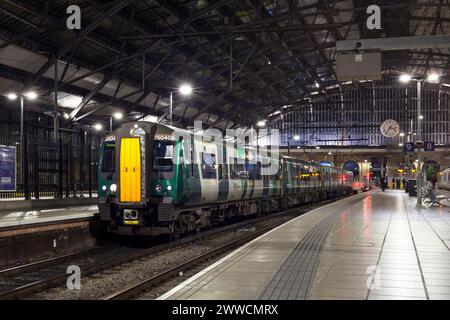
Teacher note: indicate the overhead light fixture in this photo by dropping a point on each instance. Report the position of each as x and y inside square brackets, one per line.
[185, 89]
[317, 85]
[296, 137]
[402, 134]
[12, 96]
[66, 115]
[118, 115]
[434, 77]
[405, 78]
[421, 117]
[31, 95]
[98, 126]
[318, 148]
[400, 144]
[329, 153]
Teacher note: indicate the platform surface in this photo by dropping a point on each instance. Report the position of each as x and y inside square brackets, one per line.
[15, 218]
[370, 246]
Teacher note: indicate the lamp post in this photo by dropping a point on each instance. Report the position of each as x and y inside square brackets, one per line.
[405, 79]
[185, 90]
[418, 137]
[31, 95]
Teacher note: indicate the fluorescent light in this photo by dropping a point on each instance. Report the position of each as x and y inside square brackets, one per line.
[185, 89]
[296, 137]
[98, 126]
[434, 77]
[66, 115]
[12, 96]
[405, 78]
[317, 85]
[402, 134]
[118, 115]
[31, 95]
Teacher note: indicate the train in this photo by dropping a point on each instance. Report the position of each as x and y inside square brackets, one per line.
[147, 187]
[443, 182]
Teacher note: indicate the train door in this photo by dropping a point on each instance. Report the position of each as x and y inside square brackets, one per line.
[130, 170]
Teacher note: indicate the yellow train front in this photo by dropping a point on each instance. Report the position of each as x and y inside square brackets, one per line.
[156, 179]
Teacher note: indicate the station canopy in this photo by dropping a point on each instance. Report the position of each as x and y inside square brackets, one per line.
[245, 59]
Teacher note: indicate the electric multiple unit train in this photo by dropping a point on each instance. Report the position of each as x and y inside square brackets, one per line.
[147, 185]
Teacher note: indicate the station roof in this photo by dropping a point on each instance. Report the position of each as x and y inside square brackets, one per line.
[245, 58]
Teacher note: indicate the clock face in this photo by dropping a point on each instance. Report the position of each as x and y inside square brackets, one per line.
[390, 128]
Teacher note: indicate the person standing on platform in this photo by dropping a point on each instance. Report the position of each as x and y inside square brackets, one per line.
[383, 183]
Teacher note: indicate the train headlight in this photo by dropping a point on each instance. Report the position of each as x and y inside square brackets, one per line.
[169, 188]
[113, 187]
[103, 188]
[158, 188]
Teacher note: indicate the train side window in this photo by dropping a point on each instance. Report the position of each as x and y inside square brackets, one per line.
[209, 166]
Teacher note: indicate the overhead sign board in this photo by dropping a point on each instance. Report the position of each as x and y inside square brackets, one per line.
[408, 147]
[429, 146]
[358, 66]
[7, 168]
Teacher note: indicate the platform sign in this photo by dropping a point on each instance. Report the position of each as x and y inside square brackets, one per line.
[408, 147]
[7, 168]
[429, 146]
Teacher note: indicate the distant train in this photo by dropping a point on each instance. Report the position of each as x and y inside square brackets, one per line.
[146, 186]
[443, 182]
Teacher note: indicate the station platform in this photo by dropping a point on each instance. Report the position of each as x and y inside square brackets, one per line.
[371, 246]
[15, 218]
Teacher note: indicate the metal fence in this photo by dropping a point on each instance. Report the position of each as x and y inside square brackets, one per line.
[63, 168]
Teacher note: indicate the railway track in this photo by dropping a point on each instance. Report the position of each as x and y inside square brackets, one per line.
[22, 281]
[136, 289]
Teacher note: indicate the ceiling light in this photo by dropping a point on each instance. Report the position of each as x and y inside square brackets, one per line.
[296, 137]
[12, 96]
[118, 115]
[402, 134]
[400, 144]
[66, 115]
[405, 78]
[98, 126]
[185, 89]
[318, 148]
[329, 153]
[434, 77]
[421, 117]
[31, 95]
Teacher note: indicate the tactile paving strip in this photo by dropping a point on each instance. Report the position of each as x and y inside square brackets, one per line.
[293, 279]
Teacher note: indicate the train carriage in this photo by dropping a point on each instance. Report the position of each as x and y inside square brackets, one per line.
[157, 179]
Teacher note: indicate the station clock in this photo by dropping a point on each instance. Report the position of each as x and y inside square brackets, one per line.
[390, 128]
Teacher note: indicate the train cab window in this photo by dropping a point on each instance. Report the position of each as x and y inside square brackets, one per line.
[163, 156]
[109, 157]
[209, 166]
